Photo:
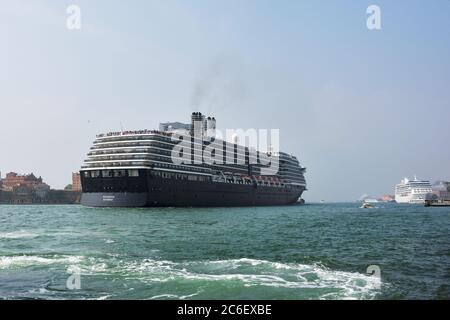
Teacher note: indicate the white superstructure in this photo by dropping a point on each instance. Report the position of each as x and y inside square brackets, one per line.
[412, 191]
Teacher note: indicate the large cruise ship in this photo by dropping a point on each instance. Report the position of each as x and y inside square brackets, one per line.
[412, 191]
[137, 169]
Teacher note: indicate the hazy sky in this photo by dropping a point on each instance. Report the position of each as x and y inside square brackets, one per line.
[361, 109]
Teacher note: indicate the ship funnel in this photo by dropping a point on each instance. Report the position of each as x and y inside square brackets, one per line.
[197, 124]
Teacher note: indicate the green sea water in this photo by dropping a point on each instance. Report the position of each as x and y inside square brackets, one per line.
[315, 251]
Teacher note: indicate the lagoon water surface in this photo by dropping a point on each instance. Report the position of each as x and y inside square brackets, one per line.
[315, 251]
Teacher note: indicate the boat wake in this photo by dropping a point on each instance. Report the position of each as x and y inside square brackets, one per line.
[222, 279]
[19, 234]
[240, 276]
[9, 262]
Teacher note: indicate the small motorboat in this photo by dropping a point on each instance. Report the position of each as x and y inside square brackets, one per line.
[366, 205]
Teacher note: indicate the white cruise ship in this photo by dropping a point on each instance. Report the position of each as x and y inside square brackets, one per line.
[412, 191]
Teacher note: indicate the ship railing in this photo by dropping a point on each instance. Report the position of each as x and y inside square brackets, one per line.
[132, 132]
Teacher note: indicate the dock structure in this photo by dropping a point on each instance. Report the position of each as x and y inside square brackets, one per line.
[437, 203]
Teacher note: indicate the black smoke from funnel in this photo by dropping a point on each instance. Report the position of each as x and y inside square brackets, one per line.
[219, 86]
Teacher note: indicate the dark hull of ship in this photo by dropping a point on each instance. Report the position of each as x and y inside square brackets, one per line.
[149, 191]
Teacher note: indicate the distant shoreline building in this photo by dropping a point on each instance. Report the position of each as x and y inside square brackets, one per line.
[13, 180]
[28, 189]
[442, 190]
[76, 181]
[387, 198]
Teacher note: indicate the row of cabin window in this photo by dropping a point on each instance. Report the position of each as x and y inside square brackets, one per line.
[180, 176]
[171, 166]
[229, 160]
[168, 152]
[111, 173]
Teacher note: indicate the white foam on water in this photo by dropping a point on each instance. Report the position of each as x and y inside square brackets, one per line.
[92, 267]
[303, 280]
[39, 291]
[25, 261]
[174, 296]
[190, 295]
[165, 295]
[20, 234]
[251, 272]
